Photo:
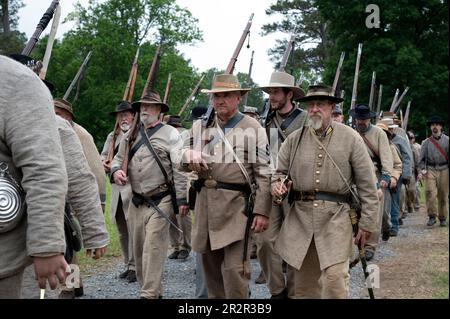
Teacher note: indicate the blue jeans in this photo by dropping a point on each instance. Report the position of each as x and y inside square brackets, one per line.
[395, 208]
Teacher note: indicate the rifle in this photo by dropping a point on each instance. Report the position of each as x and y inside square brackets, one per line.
[355, 80]
[405, 120]
[77, 76]
[338, 73]
[192, 95]
[394, 101]
[249, 76]
[380, 94]
[166, 93]
[127, 96]
[135, 126]
[372, 90]
[209, 115]
[287, 53]
[43, 23]
[51, 39]
[397, 104]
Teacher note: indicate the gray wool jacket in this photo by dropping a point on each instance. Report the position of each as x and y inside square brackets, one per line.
[30, 146]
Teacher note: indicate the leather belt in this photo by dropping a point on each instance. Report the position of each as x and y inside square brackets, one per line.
[311, 196]
[211, 183]
[139, 200]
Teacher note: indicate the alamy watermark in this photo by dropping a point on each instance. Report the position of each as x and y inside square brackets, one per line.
[373, 19]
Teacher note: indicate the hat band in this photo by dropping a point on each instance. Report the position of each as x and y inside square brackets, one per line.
[218, 85]
[322, 93]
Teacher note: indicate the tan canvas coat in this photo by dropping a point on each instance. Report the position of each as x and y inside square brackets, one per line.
[398, 166]
[93, 158]
[29, 145]
[379, 140]
[82, 192]
[220, 213]
[117, 191]
[328, 222]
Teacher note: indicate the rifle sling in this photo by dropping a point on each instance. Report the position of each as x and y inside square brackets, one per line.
[439, 148]
[286, 123]
[136, 147]
[372, 148]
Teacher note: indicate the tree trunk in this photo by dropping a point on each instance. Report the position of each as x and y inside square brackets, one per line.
[5, 16]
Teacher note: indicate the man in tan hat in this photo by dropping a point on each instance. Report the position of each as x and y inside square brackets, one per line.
[64, 109]
[228, 182]
[321, 162]
[158, 187]
[283, 119]
[120, 195]
[377, 145]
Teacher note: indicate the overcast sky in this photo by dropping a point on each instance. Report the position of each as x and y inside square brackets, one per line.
[222, 23]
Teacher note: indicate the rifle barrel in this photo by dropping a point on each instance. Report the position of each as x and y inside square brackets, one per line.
[167, 92]
[338, 73]
[355, 80]
[394, 101]
[77, 76]
[380, 95]
[287, 53]
[152, 73]
[129, 89]
[397, 104]
[191, 96]
[372, 90]
[233, 60]
[43, 23]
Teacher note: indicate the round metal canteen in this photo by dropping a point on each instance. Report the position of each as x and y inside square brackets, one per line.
[12, 197]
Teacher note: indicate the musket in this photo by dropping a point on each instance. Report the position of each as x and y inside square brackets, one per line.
[129, 89]
[397, 104]
[127, 96]
[207, 117]
[135, 126]
[249, 77]
[342, 96]
[43, 23]
[380, 94]
[77, 76]
[394, 101]
[338, 73]
[405, 120]
[51, 40]
[192, 95]
[152, 74]
[372, 90]
[355, 80]
[167, 92]
[287, 53]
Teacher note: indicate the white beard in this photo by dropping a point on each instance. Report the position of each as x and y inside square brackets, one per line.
[316, 124]
[147, 119]
[125, 127]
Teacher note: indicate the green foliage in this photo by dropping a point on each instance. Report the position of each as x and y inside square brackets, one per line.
[409, 49]
[13, 9]
[112, 30]
[12, 41]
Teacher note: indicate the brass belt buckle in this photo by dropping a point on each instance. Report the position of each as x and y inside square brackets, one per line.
[210, 183]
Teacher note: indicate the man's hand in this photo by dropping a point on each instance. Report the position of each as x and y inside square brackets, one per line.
[384, 184]
[361, 237]
[120, 178]
[183, 210]
[196, 160]
[52, 269]
[393, 183]
[260, 223]
[98, 252]
[106, 165]
[380, 194]
[279, 188]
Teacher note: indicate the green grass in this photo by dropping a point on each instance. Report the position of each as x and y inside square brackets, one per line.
[113, 249]
[441, 284]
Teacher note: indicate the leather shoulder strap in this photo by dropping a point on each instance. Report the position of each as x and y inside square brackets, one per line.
[439, 148]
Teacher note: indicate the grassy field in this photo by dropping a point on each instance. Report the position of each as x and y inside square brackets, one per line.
[113, 249]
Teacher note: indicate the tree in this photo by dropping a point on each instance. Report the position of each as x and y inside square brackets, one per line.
[11, 40]
[112, 30]
[312, 44]
[409, 49]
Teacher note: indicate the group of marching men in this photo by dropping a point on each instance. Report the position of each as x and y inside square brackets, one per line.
[292, 199]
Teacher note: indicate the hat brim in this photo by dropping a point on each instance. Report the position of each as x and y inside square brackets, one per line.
[223, 90]
[137, 106]
[333, 99]
[298, 92]
[369, 115]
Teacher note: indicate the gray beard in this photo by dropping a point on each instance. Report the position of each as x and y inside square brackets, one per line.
[147, 119]
[125, 127]
[315, 124]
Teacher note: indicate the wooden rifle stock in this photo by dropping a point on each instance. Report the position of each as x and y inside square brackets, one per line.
[232, 63]
[129, 89]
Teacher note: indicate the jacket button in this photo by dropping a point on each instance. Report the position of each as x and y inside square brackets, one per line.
[316, 190]
[319, 164]
[320, 155]
[317, 172]
[315, 204]
[320, 148]
[317, 181]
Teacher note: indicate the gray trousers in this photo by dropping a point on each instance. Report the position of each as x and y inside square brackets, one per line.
[201, 291]
[11, 287]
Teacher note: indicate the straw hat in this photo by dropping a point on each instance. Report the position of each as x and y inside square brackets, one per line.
[283, 80]
[226, 83]
[320, 92]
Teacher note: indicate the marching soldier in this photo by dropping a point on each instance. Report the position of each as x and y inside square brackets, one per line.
[434, 169]
[284, 119]
[180, 242]
[411, 189]
[322, 161]
[64, 109]
[338, 115]
[250, 111]
[30, 155]
[120, 195]
[154, 178]
[415, 147]
[228, 184]
[377, 145]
